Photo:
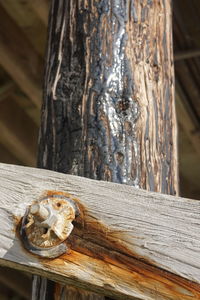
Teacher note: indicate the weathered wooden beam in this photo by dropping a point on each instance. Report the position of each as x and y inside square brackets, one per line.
[127, 243]
[19, 59]
[18, 132]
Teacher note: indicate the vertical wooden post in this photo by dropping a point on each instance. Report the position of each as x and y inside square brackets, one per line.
[108, 110]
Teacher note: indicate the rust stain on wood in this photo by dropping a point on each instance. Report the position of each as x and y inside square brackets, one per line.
[92, 241]
[157, 282]
[16, 221]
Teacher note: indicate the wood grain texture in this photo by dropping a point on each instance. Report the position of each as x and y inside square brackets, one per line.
[127, 243]
[109, 93]
[108, 110]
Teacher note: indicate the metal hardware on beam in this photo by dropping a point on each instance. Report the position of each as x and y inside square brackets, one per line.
[47, 223]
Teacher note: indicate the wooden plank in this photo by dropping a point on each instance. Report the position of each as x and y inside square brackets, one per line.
[18, 132]
[19, 59]
[127, 243]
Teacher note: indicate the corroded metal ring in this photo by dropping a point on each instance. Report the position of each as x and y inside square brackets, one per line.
[47, 224]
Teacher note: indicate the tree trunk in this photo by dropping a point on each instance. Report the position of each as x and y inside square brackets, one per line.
[108, 110]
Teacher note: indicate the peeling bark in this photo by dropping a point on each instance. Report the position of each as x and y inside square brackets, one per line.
[108, 110]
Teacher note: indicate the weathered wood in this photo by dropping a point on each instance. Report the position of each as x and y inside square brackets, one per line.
[19, 59]
[108, 110]
[109, 93]
[127, 243]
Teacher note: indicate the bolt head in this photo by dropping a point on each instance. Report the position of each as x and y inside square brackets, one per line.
[48, 223]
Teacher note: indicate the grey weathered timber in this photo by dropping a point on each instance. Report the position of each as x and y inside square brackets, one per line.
[127, 243]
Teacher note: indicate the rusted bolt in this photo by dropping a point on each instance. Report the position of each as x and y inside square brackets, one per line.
[47, 224]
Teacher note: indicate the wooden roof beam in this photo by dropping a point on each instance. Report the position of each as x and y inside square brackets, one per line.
[126, 243]
[19, 59]
[18, 132]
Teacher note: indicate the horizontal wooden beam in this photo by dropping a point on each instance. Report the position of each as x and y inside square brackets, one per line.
[19, 59]
[127, 243]
[18, 132]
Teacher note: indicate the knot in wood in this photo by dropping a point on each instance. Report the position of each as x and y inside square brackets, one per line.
[47, 224]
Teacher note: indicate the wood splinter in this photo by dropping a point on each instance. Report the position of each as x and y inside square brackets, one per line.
[47, 224]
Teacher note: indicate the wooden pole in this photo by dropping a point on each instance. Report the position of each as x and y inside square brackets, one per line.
[108, 110]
